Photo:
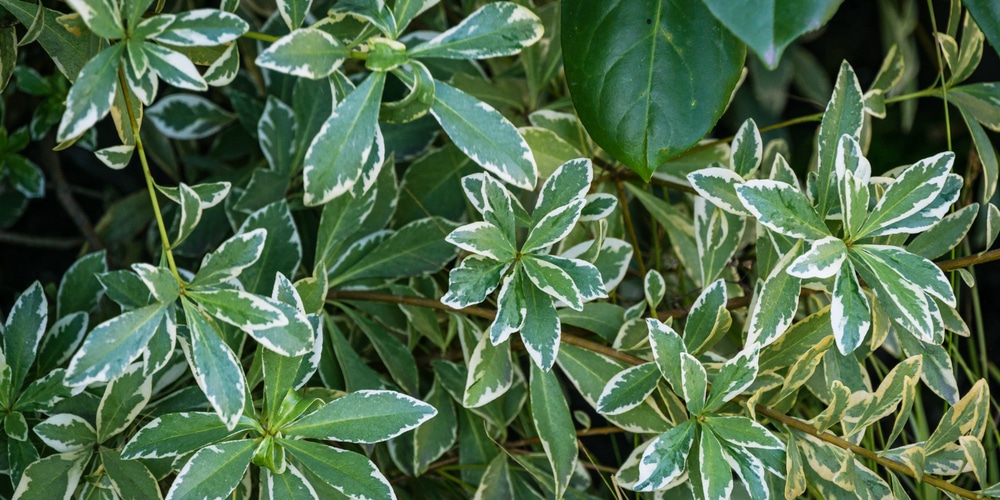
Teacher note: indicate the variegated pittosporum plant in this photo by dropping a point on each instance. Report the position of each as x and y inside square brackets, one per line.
[317, 294]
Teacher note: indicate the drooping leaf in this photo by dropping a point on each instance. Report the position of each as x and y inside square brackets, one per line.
[363, 417]
[552, 420]
[674, 44]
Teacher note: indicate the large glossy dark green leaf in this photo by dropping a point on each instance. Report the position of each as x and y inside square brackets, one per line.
[649, 78]
[768, 27]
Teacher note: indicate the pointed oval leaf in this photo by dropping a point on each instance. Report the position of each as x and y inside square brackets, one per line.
[497, 29]
[213, 472]
[203, 28]
[645, 121]
[308, 53]
[628, 389]
[363, 417]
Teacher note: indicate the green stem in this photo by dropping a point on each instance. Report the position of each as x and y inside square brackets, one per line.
[264, 37]
[627, 218]
[164, 240]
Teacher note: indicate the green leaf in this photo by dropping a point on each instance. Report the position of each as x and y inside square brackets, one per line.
[782, 208]
[230, 259]
[415, 249]
[773, 310]
[66, 432]
[22, 333]
[913, 190]
[654, 118]
[306, 52]
[281, 251]
[55, 476]
[665, 459]
[243, 310]
[395, 355]
[708, 320]
[62, 340]
[173, 67]
[113, 345]
[103, 17]
[694, 382]
[70, 51]
[945, 235]
[497, 29]
[115, 157]
[550, 414]
[15, 426]
[214, 471]
[769, 27]
[130, 478]
[903, 295]
[188, 116]
[350, 473]
[91, 96]
[511, 308]
[710, 474]
[471, 281]
[718, 185]
[541, 328]
[176, 434]
[276, 132]
[203, 28]
[667, 348]
[978, 101]
[491, 373]
[215, 367]
[25, 176]
[292, 484]
[965, 417]
[485, 136]
[436, 436]
[124, 398]
[844, 115]
[191, 211]
[553, 280]
[363, 417]
[335, 158]
[734, 377]
[485, 239]
[823, 259]
[553, 227]
[569, 183]
[294, 12]
[161, 283]
[850, 312]
[987, 19]
[628, 389]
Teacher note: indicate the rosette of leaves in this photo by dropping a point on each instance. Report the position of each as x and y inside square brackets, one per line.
[349, 147]
[281, 438]
[704, 450]
[531, 280]
[143, 50]
[852, 225]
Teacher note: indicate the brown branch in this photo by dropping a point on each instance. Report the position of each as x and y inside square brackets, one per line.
[613, 353]
[27, 240]
[65, 195]
[969, 260]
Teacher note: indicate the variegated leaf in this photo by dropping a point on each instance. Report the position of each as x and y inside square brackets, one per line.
[203, 28]
[243, 310]
[215, 367]
[694, 382]
[335, 158]
[552, 280]
[541, 327]
[497, 29]
[822, 260]
[774, 306]
[65, 432]
[666, 458]
[306, 52]
[113, 345]
[485, 136]
[485, 239]
[491, 373]
[511, 308]
[173, 67]
[91, 96]
[124, 398]
[553, 227]
[747, 150]
[294, 12]
[115, 157]
[850, 312]
[223, 70]
[718, 185]
[708, 320]
[782, 208]
[214, 471]
[628, 389]
[188, 116]
[471, 281]
[363, 417]
[844, 115]
[550, 414]
[734, 377]
[914, 189]
[103, 17]
[350, 473]
[233, 256]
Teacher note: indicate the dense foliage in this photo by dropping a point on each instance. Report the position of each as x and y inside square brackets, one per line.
[451, 248]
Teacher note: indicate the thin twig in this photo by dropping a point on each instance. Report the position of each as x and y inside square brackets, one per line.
[27, 240]
[65, 195]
